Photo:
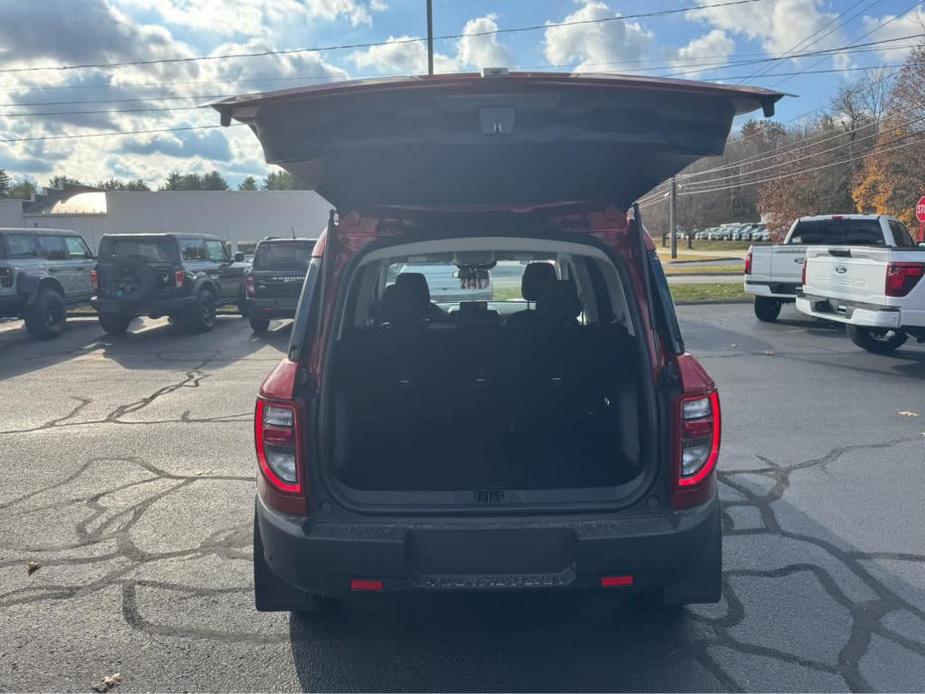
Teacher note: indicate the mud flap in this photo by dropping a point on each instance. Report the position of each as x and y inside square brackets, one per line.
[703, 584]
[271, 593]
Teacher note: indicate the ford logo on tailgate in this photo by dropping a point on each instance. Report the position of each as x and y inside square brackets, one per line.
[841, 269]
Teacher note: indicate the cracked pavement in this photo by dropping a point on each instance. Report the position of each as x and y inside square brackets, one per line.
[128, 474]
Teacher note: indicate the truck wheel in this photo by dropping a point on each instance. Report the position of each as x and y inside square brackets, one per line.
[766, 309]
[877, 341]
[114, 323]
[45, 318]
[201, 316]
[259, 325]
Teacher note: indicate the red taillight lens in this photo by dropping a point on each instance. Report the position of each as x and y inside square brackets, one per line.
[249, 285]
[94, 280]
[748, 263]
[6, 277]
[276, 434]
[803, 272]
[902, 277]
[699, 430]
[179, 278]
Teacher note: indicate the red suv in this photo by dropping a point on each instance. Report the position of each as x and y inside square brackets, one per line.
[553, 436]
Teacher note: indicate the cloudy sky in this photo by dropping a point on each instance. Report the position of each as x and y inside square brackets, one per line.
[713, 43]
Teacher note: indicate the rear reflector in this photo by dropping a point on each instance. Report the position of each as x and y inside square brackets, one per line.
[616, 581]
[365, 586]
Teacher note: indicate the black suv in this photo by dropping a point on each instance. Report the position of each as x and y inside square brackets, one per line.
[184, 276]
[272, 286]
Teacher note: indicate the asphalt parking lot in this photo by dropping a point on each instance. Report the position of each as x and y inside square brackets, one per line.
[127, 472]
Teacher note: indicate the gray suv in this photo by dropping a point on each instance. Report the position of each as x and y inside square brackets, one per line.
[42, 272]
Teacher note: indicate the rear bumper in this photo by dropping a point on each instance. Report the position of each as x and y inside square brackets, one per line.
[156, 308]
[322, 557]
[886, 317]
[775, 290]
[273, 308]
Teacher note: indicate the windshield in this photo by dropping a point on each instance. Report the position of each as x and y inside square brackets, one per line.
[158, 249]
[283, 255]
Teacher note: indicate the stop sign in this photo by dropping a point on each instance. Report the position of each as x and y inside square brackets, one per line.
[920, 209]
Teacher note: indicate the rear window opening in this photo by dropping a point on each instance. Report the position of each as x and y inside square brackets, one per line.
[283, 255]
[488, 372]
[156, 249]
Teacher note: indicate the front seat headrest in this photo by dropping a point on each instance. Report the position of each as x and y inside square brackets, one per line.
[536, 278]
[406, 301]
[414, 282]
[559, 302]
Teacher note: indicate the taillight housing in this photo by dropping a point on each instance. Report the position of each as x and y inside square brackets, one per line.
[94, 280]
[902, 277]
[803, 272]
[6, 276]
[698, 425]
[748, 263]
[250, 286]
[279, 455]
[179, 278]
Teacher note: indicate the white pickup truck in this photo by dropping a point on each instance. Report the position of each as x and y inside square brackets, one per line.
[773, 274]
[877, 292]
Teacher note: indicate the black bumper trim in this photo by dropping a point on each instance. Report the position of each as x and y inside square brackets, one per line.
[159, 307]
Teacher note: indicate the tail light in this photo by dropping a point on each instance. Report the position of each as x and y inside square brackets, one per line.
[249, 286]
[803, 272]
[179, 278]
[6, 276]
[278, 440]
[902, 277]
[94, 280]
[748, 263]
[698, 426]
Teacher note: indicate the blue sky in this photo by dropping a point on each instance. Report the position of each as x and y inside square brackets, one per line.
[700, 44]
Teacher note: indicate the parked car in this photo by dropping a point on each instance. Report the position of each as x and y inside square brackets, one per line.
[773, 274]
[875, 289]
[274, 282]
[183, 276]
[563, 442]
[42, 273]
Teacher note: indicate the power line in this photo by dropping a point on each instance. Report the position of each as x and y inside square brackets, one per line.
[352, 46]
[118, 133]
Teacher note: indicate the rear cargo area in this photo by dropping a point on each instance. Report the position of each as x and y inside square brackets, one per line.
[537, 389]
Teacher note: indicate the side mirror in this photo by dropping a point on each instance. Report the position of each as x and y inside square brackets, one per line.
[239, 257]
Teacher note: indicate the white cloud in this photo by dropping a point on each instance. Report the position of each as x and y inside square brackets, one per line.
[714, 47]
[406, 55]
[256, 17]
[483, 51]
[893, 28]
[600, 46]
[778, 25]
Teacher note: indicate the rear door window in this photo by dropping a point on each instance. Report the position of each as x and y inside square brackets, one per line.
[76, 248]
[21, 246]
[192, 249]
[53, 247]
[216, 251]
[901, 236]
[283, 255]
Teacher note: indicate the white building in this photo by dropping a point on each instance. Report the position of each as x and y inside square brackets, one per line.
[231, 215]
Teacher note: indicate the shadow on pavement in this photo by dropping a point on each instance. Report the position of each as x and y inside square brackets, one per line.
[513, 642]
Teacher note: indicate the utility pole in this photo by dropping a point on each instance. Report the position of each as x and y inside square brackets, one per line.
[430, 37]
[673, 217]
